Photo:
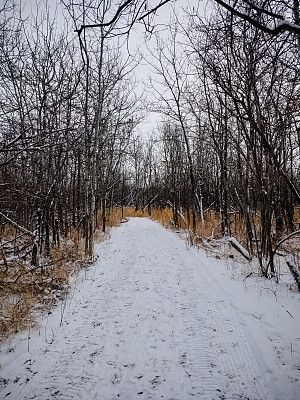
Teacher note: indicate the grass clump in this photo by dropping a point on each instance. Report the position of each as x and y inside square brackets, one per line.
[27, 290]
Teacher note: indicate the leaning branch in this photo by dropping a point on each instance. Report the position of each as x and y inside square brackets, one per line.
[36, 268]
[284, 239]
[17, 226]
[294, 271]
[232, 240]
[103, 24]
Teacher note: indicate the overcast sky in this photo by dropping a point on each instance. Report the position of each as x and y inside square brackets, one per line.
[137, 38]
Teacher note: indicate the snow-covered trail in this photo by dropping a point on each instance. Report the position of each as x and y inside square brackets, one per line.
[145, 322]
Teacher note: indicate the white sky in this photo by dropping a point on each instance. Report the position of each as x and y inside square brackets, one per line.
[136, 39]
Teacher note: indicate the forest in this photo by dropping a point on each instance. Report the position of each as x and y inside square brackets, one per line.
[223, 162]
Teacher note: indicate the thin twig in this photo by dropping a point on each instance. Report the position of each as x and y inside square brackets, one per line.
[39, 266]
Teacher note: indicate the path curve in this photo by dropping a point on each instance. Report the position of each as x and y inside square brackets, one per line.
[146, 322]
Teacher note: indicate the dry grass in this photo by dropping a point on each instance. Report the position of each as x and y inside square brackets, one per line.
[131, 212]
[297, 217]
[27, 290]
[114, 217]
[163, 216]
[211, 227]
[205, 233]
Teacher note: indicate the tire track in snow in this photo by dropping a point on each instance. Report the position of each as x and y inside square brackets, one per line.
[217, 354]
[234, 363]
[148, 324]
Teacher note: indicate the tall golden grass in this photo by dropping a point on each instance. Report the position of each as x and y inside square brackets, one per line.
[210, 227]
[26, 290]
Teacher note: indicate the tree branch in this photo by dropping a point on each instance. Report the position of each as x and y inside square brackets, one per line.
[263, 10]
[284, 239]
[117, 14]
[153, 10]
[283, 26]
[17, 226]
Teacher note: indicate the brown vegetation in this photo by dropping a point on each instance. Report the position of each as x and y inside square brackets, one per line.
[28, 291]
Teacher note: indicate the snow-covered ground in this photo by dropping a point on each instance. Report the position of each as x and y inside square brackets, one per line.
[154, 318]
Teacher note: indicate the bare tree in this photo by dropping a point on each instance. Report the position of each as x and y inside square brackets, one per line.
[256, 89]
[171, 90]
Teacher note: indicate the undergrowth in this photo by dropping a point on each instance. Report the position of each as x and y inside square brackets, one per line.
[208, 235]
[27, 291]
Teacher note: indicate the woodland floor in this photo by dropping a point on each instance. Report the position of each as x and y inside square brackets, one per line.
[154, 318]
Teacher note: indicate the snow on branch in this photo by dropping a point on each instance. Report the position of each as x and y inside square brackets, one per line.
[262, 10]
[294, 270]
[292, 266]
[239, 248]
[150, 202]
[283, 26]
[17, 226]
[177, 211]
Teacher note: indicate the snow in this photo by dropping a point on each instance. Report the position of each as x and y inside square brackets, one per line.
[239, 247]
[294, 270]
[154, 318]
[177, 211]
[286, 23]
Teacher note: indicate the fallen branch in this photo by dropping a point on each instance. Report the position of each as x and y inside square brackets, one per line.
[177, 211]
[3, 255]
[239, 248]
[294, 271]
[14, 239]
[17, 226]
[172, 222]
[215, 227]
